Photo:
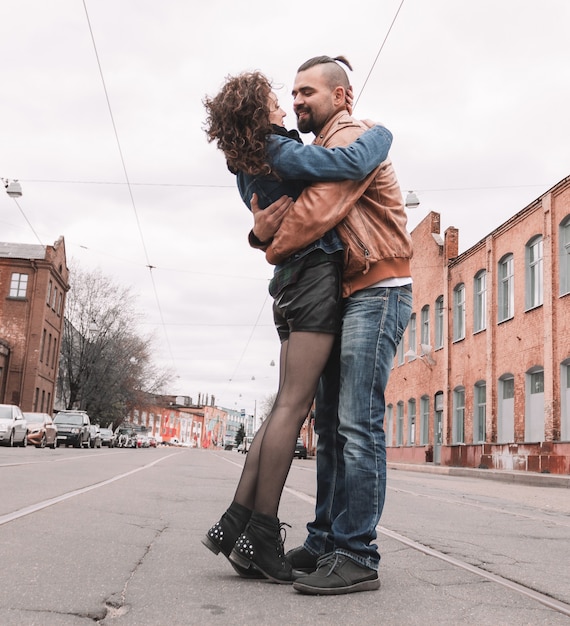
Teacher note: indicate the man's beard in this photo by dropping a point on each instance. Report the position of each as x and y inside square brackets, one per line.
[305, 124]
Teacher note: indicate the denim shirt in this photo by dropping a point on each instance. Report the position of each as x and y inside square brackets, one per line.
[298, 165]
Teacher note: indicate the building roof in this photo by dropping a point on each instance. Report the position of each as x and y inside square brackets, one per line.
[22, 250]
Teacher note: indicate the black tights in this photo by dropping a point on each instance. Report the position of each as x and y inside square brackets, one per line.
[302, 360]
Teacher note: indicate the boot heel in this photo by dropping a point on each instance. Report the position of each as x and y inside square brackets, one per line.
[240, 560]
[210, 545]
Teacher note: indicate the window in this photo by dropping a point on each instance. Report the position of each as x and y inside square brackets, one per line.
[389, 425]
[411, 422]
[534, 405]
[439, 322]
[412, 334]
[506, 288]
[459, 312]
[565, 401]
[564, 260]
[43, 345]
[506, 409]
[480, 412]
[48, 299]
[400, 352]
[459, 415]
[424, 423]
[424, 330]
[533, 255]
[537, 382]
[480, 301]
[18, 285]
[400, 424]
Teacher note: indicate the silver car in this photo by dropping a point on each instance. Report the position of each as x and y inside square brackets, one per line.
[13, 426]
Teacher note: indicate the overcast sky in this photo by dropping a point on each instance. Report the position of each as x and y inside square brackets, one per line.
[476, 94]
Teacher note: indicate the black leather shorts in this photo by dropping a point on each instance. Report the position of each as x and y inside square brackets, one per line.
[312, 304]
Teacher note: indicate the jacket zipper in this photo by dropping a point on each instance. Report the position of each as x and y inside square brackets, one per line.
[359, 244]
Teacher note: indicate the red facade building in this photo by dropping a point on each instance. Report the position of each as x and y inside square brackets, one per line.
[33, 284]
[482, 376]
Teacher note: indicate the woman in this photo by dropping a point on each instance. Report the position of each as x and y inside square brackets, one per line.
[246, 121]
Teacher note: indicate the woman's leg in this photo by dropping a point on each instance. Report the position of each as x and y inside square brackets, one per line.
[305, 358]
[247, 485]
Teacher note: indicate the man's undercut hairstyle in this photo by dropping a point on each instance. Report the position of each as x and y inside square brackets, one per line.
[335, 74]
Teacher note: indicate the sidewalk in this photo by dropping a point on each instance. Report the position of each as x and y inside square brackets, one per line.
[522, 478]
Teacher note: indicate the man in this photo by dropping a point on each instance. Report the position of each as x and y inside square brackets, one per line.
[339, 554]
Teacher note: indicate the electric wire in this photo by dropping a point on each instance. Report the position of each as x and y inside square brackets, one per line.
[28, 221]
[127, 179]
[379, 52]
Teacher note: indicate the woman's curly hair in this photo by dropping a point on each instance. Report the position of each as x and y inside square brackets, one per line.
[238, 119]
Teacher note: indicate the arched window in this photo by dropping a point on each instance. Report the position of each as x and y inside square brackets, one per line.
[480, 301]
[458, 425]
[564, 255]
[506, 284]
[480, 412]
[459, 312]
[534, 273]
[439, 323]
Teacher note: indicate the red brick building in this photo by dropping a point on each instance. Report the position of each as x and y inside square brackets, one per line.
[482, 376]
[33, 284]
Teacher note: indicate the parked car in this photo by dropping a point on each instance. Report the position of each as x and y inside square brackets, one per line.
[142, 441]
[300, 450]
[125, 437]
[73, 428]
[42, 431]
[13, 426]
[94, 436]
[107, 438]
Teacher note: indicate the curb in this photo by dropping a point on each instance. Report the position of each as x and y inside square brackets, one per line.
[522, 478]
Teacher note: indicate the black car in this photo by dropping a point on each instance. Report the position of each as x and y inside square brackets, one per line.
[300, 450]
[73, 429]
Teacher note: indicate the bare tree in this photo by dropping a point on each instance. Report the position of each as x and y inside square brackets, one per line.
[266, 406]
[105, 365]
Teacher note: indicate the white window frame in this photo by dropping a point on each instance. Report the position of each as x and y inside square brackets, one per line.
[412, 422]
[439, 323]
[400, 423]
[424, 420]
[459, 312]
[534, 273]
[424, 330]
[458, 415]
[412, 335]
[506, 286]
[18, 285]
[564, 256]
[480, 301]
[480, 412]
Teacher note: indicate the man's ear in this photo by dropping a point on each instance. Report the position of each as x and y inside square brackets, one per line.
[339, 96]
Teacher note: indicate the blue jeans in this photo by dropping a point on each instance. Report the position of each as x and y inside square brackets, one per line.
[349, 422]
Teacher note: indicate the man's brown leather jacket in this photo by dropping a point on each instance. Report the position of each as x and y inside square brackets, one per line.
[369, 216]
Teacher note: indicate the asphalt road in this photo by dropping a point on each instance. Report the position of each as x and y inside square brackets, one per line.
[112, 537]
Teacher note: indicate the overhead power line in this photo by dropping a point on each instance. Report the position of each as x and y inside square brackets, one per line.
[126, 174]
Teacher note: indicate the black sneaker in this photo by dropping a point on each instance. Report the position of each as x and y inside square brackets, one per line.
[337, 574]
[302, 560]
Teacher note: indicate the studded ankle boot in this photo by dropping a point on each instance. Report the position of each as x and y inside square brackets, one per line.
[260, 547]
[224, 533]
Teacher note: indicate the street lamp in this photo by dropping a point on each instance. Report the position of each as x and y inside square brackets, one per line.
[13, 188]
[412, 200]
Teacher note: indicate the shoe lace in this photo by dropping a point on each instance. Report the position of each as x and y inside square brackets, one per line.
[329, 560]
[283, 536]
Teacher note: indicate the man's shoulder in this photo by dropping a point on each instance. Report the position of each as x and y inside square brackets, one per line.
[341, 130]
